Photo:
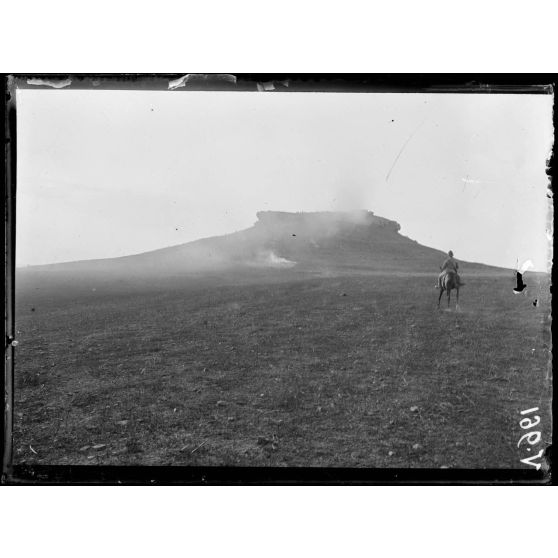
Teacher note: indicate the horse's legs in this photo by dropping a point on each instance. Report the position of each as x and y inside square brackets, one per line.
[449, 296]
[457, 295]
[440, 297]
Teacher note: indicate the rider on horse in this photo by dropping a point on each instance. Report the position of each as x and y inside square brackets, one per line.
[450, 265]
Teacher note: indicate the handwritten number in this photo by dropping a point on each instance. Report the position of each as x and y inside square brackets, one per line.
[529, 437]
[529, 460]
[530, 423]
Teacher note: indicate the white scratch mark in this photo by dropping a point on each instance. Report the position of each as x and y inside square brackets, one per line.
[526, 266]
[197, 448]
[56, 83]
[174, 83]
[266, 86]
[271, 85]
[402, 148]
[473, 181]
[182, 81]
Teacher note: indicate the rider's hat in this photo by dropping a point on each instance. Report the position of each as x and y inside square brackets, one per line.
[450, 254]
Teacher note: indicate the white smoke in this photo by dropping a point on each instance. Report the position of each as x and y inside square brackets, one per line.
[271, 259]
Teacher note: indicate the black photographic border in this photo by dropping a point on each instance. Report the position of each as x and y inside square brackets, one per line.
[544, 84]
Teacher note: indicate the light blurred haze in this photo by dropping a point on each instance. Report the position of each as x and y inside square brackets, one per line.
[110, 173]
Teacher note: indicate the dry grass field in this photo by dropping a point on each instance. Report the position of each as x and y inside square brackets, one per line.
[291, 369]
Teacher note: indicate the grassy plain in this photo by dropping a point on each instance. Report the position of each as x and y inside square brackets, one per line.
[290, 370]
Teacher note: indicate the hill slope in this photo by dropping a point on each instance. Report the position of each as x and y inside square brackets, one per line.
[312, 242]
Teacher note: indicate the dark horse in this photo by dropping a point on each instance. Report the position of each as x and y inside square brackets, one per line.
[449, 282]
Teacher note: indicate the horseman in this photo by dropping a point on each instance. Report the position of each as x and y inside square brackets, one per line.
[450, 265]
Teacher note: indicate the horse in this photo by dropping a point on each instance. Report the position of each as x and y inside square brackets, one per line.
[449, 282]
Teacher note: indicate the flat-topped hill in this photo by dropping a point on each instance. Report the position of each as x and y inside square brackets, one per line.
[306, 242]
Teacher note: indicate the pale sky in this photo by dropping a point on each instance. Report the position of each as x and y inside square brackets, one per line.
[110, 173]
